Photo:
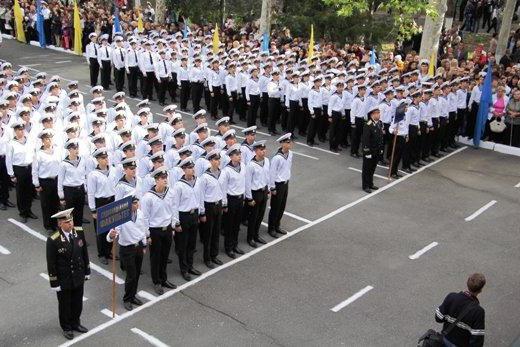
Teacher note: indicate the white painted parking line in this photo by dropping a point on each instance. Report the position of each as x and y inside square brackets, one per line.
[44, 276]
[93, 266]
[304, 155]
[417, 254]
[31, 65]
[4, 251]
[265, 224]
[375, 175]
[108, 313]
[292, 215]
[386, 167]
[251, 253]
[145, 295]
[258, 132]
[62, 61]
[518, 185]
[480, 210]
[350, 300]
[316, 148]
[151, 339]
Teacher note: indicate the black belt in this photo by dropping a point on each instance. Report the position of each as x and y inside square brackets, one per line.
[48, 179]
[135, 245]
[240, 196]
[282, 183]
[213, 203]
[260, 190]
[190, 212]
[73, 187]
[160, 228]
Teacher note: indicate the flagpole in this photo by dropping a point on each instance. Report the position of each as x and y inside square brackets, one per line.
[396, 131]
[114, 278]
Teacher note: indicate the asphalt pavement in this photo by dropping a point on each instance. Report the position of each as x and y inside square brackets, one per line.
[355, 269]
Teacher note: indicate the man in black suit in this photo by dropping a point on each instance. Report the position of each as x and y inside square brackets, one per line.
[68, 267]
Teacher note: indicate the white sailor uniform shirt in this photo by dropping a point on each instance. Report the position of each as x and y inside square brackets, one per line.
[280, 168]
[100, 185]
[257, 176]
[232, 181]
[186, 198]
[45, 165]
[132, 232]
[157, 208]
[209, 189]
[18, 154]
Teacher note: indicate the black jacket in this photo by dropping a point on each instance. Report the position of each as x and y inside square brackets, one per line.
[372, 140]
[67, 263]
[469, 332]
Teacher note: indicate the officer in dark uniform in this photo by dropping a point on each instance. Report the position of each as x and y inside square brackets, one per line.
[68, 267]
[372, 148]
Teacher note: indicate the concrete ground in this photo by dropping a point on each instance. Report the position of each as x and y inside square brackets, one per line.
[355, 270]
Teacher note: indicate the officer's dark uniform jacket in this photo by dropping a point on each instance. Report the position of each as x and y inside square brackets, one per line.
[372, 138]
[469, 332]
[67, 263]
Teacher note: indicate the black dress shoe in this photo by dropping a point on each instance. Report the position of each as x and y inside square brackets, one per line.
[169, 261]
[272, 233]
[334, 150]
[383, 162]
[169, 285]
[158, 289]
[428, 160]
[24, 219]
[231, 254]
[420, 164]
[217, 261]
[238, 251]
[260, 240]
[209, 264]
[437, 155]
[374, 188]
[128, 306]
[3, 207]
[194, 272]
[354, 155]
[251, 243]
[80, 329]
[396, 176]
[103, 260]
[32, 215]
[186, 276]
[280, 231]
[408, 171]
[412, 169]
[367, 190]
[68, 334]
[136, 301]
[9, 203]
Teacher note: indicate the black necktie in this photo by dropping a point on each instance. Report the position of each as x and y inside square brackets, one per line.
[95, 49]
[135, 55]
[106, 50]
[121, 54]
[164, 63]
[150, 54]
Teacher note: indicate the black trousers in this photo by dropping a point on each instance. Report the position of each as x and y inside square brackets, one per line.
[424, 140]
[357, 132]
[5, 181]
[230, 105]
[24, 189]
[444, 132]
[334, 130]
[185, 241]
[512, 135]
[471, 118]
[232, 225]
[253, 109]
[461, 116]
[263, 109]
[274, 108]
[344, 129]
[323, 124]
[105, 73]
[284, 116]
[413, 144]
[161, 91]
[435, 136]
[142, 84]
[70, 305]
[452, 128]
[185, 94]
[207, 97]
[257, 213]
[400, 142]
[313, 125]
[242, 104]
[131, 258]
[215, 101]
[278, 202]
[304, 117]
[94, 71]
[50, 202]
[149, 81]
[172, 87]
[197, 89]
[132, 80]
[294, 115]
[211, 229]
[75, 198]
[119, 79]
[103, 246]
[367, 174]
[159, 251]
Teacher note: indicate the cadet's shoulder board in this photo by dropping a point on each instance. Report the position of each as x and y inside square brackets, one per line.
[369, 122]
[78, 228]
[55, 235]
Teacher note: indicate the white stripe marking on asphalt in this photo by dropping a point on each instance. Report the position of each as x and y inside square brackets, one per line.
[31, 65]
[305, 155]
[85, 299]
[386, 167]
[145, 295]
[108, 313]
[62, 61]
[480, 210]
[316, 148]
[44, 276]
[152, 339]
[4, 250]
[417, 254]
[518, 185]
[375, 175]
[251, 253]
[292, 215]
[353, 298]
[93, 266]
[258, 132]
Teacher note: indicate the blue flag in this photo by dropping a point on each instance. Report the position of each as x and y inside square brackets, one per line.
[400, 112]
[483, 109]
[117, 24]
[265, 42]
[40, 27]
[373, 57]
[186, 29]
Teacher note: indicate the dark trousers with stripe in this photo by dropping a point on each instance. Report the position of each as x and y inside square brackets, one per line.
[367, 174]
[131, 258]
[75, 198]
[159, 251]
[278, 202]
[185, 241]
[103, 246]
[94, 71]
[70, 305]
[232, 225]
[24, 189]
[211, 229]
[257, 213]
[50, 202]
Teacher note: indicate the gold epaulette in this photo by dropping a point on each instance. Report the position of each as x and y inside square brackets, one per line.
[55, 235]
[369, 122]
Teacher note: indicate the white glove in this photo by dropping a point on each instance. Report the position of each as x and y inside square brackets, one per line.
[56, 289]
[369, 156]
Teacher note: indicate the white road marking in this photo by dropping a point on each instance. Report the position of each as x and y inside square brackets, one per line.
[417, 254]
[304, 155]
[375, 175]
[31, 65]
[33, 57]
[45, 276]
[518, 185]
[4, 250]
[316, 148]
[251, 253]
[108, 313]
[353, 298]
[292, 215]
[386, 167]
[93, 266]
[62, 61]
[265, 224]
[153, 340]
[480, 210]
[145, 295]
[258, 132]
[85, 299]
